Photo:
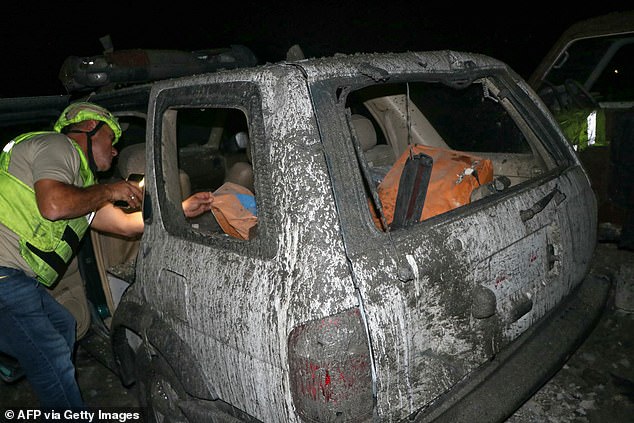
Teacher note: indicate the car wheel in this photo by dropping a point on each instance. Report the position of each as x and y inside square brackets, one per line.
[159, 390]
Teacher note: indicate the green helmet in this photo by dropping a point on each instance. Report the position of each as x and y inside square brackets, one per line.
[81, 111]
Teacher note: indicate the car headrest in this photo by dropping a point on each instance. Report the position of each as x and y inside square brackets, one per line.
[132, 160]
[365, 131]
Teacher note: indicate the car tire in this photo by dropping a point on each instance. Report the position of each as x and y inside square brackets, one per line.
[159, 390]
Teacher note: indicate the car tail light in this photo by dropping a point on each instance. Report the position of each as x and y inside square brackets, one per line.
[330, 369]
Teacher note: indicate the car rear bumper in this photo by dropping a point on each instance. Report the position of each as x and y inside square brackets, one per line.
[513, 376]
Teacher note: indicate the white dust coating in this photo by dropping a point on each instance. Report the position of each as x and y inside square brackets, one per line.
[286, 103]
[238, 324]
[243, 310]
[252, 385]
[414, 267]
[388, 328]
[444, 352]
[392, 324]
[517, 272]
[301, 187]
[238, 308]
[410, 342]
[440, 348]
[393, 63]
[580, 228]
[522, 268]
[310, 250]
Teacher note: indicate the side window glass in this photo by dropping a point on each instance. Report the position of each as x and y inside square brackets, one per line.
[616, 82]
[213, 152]
[426, 149]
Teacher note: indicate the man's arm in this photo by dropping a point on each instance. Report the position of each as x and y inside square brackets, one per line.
[57, 200]
[113, 220]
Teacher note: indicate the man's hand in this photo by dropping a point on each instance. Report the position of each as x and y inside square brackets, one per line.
[197, 204]
[128, 192]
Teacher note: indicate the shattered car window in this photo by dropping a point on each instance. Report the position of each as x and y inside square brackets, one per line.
[448, 147]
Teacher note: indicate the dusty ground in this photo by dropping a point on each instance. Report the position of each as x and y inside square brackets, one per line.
[99, 386]
[596, 384]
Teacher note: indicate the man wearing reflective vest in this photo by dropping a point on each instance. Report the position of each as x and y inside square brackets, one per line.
[49, 197]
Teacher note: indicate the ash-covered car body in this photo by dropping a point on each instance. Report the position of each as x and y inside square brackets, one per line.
[323, 315]
[352, 299]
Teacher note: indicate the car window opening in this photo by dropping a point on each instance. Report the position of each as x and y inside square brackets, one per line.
[449, 146]
[214, 150]
[213, 154]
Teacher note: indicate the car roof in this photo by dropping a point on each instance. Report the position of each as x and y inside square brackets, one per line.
[600, 26]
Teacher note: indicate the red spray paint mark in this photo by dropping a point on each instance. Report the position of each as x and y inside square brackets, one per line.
[499, 280]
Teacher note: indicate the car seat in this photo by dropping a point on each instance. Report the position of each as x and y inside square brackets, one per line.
[132, 160]
[376, 155]
[241, 172]
[379, 157]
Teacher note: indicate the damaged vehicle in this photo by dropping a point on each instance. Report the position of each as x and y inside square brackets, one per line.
[587, 82]
[397, 237]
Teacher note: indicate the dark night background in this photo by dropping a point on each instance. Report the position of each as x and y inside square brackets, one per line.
[37, 38]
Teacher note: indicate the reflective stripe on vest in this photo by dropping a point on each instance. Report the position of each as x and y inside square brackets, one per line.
[47, 246]
[583, 128]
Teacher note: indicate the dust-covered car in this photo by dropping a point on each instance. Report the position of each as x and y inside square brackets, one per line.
[394, 237]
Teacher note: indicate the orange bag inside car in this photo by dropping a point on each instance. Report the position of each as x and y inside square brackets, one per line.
[233, 208]
[454, 176]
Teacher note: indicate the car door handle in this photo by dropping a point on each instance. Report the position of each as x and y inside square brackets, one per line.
[528, 214]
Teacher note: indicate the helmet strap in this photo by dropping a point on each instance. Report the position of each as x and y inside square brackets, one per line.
[89, 134]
